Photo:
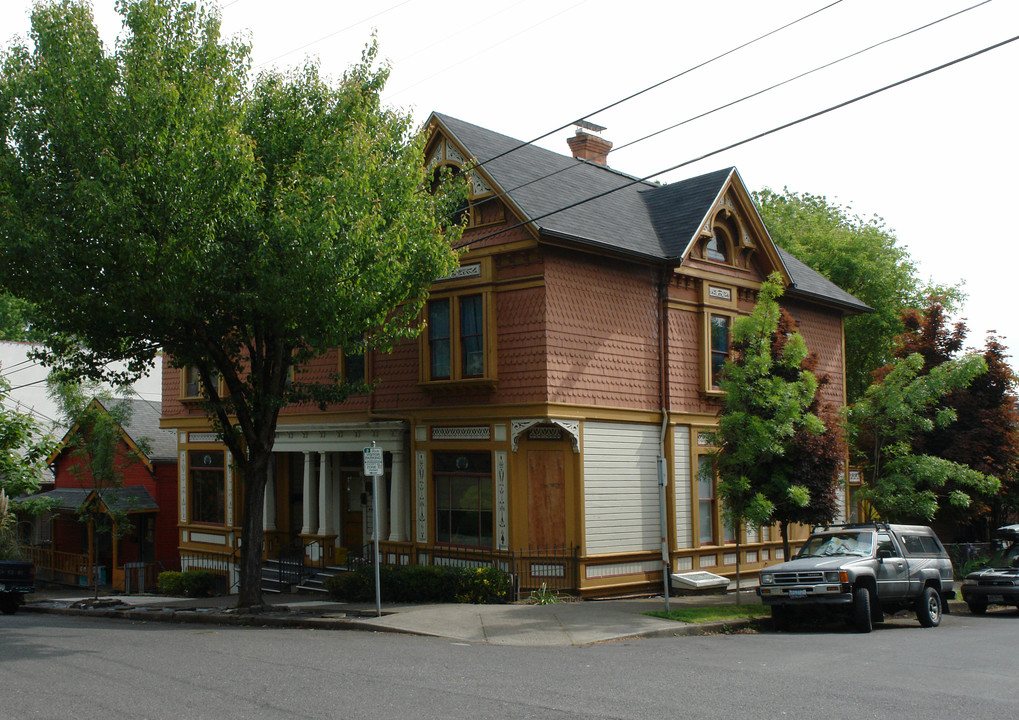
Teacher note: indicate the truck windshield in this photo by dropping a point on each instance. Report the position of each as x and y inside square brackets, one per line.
[840, 543]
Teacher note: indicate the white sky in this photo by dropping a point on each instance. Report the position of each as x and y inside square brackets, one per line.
[935, 157]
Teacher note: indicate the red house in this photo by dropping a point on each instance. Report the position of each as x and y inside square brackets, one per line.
[124, 559]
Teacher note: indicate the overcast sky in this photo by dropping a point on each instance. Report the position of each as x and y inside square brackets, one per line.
[935, 158]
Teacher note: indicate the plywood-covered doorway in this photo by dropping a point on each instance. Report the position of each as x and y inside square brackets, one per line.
[546, 498]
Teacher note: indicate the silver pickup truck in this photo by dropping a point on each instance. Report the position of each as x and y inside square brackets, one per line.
[862, 570]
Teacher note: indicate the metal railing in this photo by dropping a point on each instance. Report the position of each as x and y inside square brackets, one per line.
[555, 568]
[224, 566]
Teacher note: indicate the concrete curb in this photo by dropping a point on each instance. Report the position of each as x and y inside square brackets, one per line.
[196, 617]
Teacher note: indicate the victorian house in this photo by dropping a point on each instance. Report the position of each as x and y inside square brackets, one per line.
[567, 369]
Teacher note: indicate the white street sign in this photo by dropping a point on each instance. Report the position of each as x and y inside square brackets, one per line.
[373, 461]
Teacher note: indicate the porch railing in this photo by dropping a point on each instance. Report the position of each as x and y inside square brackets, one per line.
[61, 567]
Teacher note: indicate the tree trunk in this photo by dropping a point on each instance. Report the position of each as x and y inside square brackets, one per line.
[784, 529]
[93, 576]
[255, 476]
[737, 563]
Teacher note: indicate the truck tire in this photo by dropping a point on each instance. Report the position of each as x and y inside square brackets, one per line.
[977, 607]
[928, 608]
[780, 617]
[9, 604]
[861, 610]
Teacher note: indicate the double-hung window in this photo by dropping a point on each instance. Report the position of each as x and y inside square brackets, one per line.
[456, 338]
[719, 337]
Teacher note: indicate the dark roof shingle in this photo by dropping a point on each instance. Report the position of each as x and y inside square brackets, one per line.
[611, 210]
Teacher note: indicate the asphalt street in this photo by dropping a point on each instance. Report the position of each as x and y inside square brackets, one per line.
[55, 666]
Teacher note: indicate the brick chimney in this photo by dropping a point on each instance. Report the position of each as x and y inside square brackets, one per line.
[586, 146]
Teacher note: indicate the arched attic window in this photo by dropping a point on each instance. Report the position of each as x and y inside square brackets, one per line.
[724, 241]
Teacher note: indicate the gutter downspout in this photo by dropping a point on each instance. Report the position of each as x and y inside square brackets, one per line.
[663, 470]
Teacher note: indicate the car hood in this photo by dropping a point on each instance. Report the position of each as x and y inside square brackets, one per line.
[833, 562]
[1001, 572]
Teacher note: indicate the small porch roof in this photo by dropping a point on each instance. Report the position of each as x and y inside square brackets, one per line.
[130, 500]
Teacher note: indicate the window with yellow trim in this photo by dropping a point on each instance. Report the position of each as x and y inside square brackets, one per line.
[207, 476]
[191, 383]
[458, 338]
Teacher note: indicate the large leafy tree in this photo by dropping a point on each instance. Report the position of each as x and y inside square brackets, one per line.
[777, 460]
[985, 433]
[863, 257]
[155, 197]
[902, 481]
[25, 446]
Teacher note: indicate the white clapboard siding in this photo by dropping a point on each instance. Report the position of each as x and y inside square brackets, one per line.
[840, 501]
[620, 488]
[681, 485]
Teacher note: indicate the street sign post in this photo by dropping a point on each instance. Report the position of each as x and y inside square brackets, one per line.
[373, 468]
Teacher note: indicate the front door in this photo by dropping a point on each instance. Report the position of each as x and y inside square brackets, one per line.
[546, 498]
[352, 488]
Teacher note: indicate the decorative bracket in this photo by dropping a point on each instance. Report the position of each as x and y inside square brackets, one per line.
[518, 427]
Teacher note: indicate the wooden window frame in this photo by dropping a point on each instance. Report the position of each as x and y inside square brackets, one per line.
[191, 497]
[457, 351]
[481, 477]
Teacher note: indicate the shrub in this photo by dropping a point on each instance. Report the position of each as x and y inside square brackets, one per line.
[422, 583]
[170, 583]
[351, 586]
[190, 583]
[483, 585]
[199, 583]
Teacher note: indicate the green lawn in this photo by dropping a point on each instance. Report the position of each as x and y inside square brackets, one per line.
[712, 613]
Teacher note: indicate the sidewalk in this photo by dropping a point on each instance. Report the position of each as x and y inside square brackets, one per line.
[566, 623]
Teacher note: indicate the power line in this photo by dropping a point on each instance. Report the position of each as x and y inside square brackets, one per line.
[505, 193]
[485, 50]
[750, 139]
[334, 34]
[661, 82]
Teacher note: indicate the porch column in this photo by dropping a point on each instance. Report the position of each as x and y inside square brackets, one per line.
[269, 507]
[325, 496]
[398, 499]
[310, 498]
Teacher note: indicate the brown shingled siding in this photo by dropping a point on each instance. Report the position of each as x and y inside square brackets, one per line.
[822, 331]
[602, 332]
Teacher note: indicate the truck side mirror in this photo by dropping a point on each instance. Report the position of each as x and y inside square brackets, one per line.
[883, 553]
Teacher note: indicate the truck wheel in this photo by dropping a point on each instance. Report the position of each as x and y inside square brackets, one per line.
[861, 610]
[928, 608]
[977, 607]
[780, 617]
[9, 604]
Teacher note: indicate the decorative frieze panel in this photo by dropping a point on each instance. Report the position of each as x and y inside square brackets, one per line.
[229, 490]
[421, 495]
[182, 485]
[501, 502]
[202, 437]
[465, 432]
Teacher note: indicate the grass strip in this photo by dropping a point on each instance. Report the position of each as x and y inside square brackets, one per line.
[711, 614]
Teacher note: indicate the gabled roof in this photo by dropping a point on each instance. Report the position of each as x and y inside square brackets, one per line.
[143, 424]
[657, 223]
